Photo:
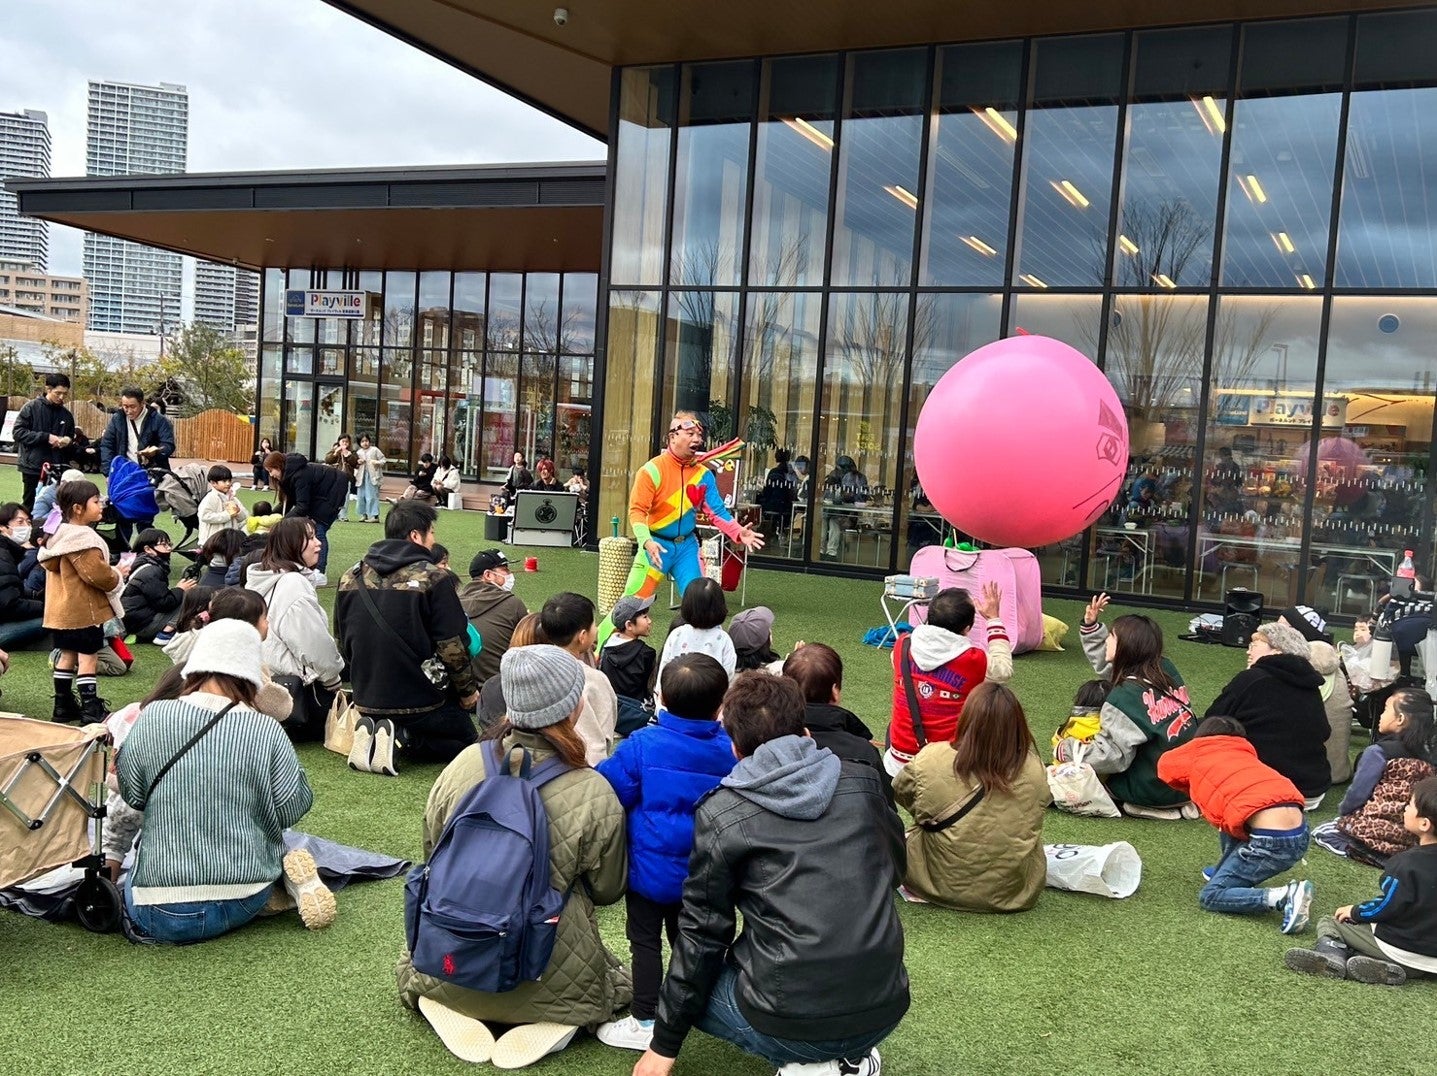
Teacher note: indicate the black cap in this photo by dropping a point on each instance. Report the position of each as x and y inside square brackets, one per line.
[487, 560]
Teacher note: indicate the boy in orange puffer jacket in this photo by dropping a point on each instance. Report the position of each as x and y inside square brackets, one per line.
[1261, 825]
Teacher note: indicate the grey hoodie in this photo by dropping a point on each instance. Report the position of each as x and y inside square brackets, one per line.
[791, 776]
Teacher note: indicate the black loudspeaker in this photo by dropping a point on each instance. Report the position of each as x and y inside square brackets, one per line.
[1241, 616]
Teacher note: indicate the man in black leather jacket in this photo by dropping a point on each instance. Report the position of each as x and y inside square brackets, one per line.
[792, 836]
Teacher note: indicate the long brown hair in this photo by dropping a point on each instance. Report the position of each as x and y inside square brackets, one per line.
[1139, 652]
[284, 548]
[563, 737]
[993, 738]
[231, 687]
[527, 632]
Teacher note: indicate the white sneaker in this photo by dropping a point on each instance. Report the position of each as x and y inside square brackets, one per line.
[1190, 811]
[463, 1036]
[361, 751]
[869, 1064]
[315, 900]
[521, 1046]
[630, 1033]
[318, 578]
[1158, 814]
[382, 760]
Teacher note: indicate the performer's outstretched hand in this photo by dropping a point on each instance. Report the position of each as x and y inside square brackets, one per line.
[751, 539]
[655, 554]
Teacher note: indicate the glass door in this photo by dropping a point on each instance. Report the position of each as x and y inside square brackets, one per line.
[328, 418]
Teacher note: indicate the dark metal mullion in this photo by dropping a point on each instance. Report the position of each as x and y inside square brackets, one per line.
[1309, 497]
[600, 367]
[741, 314]
[1020, 145]
[930, 104]
[656, 442]
[519, 376]
[1205, 394]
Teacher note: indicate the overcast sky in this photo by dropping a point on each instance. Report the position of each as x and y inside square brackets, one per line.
[272, 84]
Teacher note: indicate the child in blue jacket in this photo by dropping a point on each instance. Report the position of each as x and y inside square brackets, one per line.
[660, 772]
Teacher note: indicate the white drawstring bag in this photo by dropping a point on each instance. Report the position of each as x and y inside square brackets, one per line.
[1076, 789]
[1108, 870]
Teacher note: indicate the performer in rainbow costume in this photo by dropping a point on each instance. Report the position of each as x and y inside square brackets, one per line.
[663, 511]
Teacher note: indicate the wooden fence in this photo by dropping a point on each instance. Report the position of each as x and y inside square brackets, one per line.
[216, 436]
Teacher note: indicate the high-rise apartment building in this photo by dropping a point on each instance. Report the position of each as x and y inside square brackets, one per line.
[24, 151]
[134, 130]
[33, 291]
[225, 296]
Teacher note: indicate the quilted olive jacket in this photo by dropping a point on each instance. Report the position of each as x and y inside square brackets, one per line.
[584, 984]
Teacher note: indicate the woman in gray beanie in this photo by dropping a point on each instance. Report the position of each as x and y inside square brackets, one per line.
[1278, 700]
[584, 984]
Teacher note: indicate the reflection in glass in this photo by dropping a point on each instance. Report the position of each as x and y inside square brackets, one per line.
[299, 360]
[541, 312]
[632, 357]
[297, 433]
[1387, 237]
[466, 384]
[468, 323]
[399, 309]
[328, 417]
[396, 395]
[433, 313]
[864, 362]
[1068, 163]
[536, 404]
[299, 330]
[791, 171]
[946, 327]
[711, 181]
[505, 313]
[970, 164]
[641, 174]
[273, 316]
[1259, 428]
[1154, 360]
[1381, 370]
[362, 416]
[1279, 194]
[574, 405]
[580, 301]
[780, 359]
[878, 169]
[501, 405]
[699, 339]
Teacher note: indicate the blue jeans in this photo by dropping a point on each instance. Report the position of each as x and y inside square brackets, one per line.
[321, 531]
[368, 500]
[1236, 885]
[21, 631]
[193, 921]
[723, 1019]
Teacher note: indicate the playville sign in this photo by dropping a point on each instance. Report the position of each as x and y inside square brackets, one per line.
[324, 304]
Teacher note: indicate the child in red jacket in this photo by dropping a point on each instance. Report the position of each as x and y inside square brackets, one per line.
[1261, 825]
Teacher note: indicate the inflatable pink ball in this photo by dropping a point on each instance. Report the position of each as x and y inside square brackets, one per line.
[1022, 443]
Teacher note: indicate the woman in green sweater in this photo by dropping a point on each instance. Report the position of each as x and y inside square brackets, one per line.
[218, 783]
[1146, 713]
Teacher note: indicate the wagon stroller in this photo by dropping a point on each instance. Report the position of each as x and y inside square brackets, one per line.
[52, 783]
[181, 492]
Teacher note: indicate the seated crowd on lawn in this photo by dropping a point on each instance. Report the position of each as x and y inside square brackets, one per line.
[715, 778]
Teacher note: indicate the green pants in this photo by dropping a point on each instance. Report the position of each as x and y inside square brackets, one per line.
[1359, 938]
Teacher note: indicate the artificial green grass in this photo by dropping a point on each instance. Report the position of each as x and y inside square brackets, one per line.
[1078, 985]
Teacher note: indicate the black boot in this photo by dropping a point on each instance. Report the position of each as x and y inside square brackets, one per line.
[93, 710]
[67, 709]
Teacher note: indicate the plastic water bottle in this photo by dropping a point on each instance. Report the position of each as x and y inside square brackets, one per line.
[1408, 568]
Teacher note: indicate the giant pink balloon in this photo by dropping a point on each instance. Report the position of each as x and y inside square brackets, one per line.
[1022, 443]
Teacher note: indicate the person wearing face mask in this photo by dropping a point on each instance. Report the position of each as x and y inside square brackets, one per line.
[148, 599]
[493, 609]
[663, 514]
[21, 618]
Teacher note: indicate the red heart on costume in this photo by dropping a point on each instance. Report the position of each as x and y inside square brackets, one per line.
[696, 495]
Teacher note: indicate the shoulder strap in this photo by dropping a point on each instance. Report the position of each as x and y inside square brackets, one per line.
[196, 738]
[373, 611]
[938, 825]
[905, 668]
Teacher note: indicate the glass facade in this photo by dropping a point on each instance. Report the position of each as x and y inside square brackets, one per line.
[1236, 222]
[475, 366]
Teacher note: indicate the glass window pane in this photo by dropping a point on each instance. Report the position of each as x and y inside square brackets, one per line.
[273, 304]
[300, 330]
[1172, 159]
[536, 405]
[501, 406]
[397, 395]
[864, 361]
[1154, 360]
[1395, 48]
[1302, 56]
[573, 407]
[434, 312]
[777, 404]
[711, 181]
[581, 299]
[631, 357]
[298, 430]
[1380, 370]
[399, 309]
[267, 410]
[1068, 163]
[1259, 425]
[363, 400]
[641, 174]
[299, 360]
[367, 330]
[791, 172]
[505, 310]
[466, 389]
[878, 169]
[468, 322]
[331, 361]
[1386, 236]
[970, 164]
[1279, 196]
[699, 340]
[328, 417]
[945, 329]
[541, 312]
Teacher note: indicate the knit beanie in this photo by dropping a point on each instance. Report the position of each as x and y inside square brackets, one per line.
[1307, 620]
[1285, 639]
[542, 684]
[230, 647]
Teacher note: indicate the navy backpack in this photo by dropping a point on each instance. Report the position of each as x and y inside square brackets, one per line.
[481, 913]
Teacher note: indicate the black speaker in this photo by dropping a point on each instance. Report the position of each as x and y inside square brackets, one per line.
[1241, 615]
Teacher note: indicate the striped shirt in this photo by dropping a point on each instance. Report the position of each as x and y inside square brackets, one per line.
[214, 829]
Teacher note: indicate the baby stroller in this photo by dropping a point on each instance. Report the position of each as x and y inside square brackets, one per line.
[47, 771]
[181, 492]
